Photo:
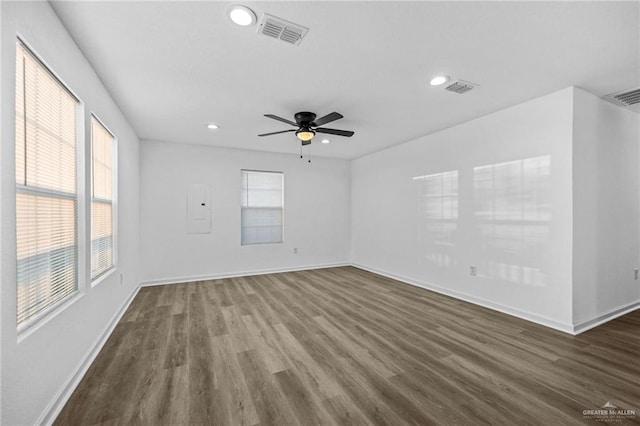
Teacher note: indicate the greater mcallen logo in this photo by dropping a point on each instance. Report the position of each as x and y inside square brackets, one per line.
[609, 413]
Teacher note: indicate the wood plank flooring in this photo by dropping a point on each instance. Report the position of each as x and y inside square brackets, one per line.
[344, 346]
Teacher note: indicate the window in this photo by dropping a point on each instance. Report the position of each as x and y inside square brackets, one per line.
[102, 184]
[262, 207]
[46, 190]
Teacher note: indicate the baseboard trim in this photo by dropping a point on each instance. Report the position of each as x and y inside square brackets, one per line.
[57, 403]
[547, 322]
[192, 278]
[583, 326]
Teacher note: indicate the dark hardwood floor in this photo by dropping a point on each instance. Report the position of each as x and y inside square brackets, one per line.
[344, 346]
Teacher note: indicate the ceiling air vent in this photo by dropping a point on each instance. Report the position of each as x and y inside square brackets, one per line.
[460, 86]
[626, 98]
[274, 27]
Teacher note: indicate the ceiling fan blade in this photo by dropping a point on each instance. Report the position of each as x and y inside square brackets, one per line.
[284, 120]
[281, 131]
[327, 119]
[347, 133]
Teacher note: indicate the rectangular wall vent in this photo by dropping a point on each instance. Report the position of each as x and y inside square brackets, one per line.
[626, 98]
[460, 86]
[280, 29]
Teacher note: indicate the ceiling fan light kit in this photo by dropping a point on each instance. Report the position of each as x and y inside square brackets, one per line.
[305, 134]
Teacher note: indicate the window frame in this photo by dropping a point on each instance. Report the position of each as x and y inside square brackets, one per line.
[243, 244]
[114, 202]
[34, 322]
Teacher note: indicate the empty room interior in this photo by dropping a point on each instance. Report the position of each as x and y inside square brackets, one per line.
[331, 213]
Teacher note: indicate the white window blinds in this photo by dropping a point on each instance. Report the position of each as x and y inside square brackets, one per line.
[262, 207]
[102, 184]
[46, 195]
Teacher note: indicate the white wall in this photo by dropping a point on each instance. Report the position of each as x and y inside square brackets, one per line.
[518, 232]
[38, 367]
[316, 212]
[606, 208]
[2, 280]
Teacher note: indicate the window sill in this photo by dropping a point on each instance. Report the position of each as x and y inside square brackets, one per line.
[103, 276]
[36, 323]
[261, 244]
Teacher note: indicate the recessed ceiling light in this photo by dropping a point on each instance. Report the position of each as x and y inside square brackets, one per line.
[212, 126]
[242, 15]
[441, 79]
[325, 141]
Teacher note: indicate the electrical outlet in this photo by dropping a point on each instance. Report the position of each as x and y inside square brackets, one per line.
[635, 274]
[473, 270]
[295, 250]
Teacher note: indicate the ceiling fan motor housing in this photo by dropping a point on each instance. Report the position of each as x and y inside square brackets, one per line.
[304, 118]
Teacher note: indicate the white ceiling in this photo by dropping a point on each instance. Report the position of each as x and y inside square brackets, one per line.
[173, 67]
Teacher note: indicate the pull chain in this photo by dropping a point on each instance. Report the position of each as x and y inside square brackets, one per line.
[300, 150]
[309, 153]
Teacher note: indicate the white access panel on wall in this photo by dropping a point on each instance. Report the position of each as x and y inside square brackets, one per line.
[198, 209]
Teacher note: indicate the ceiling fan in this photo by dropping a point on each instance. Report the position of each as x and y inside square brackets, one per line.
[307, 126]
